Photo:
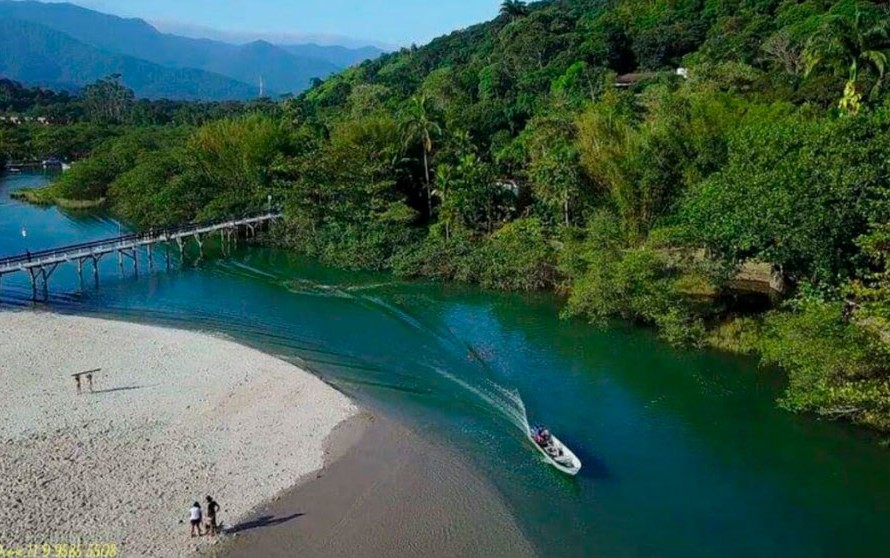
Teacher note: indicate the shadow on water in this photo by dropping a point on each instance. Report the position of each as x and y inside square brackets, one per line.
[593, 467]
[261, 522]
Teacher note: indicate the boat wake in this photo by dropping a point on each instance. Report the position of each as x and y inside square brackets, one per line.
[507, 403]
[484, 391]
[488, 394]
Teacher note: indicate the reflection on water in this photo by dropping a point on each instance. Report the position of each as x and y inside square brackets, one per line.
[685, 453]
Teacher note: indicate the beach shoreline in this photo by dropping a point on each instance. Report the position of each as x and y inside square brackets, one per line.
[385, 491]
[173, 416]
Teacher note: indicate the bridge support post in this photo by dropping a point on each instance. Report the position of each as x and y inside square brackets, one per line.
[151, 258]
[133, 255]
[200, 242]
[167, 254]
[45, 282]
[96, 270]
[33, 284]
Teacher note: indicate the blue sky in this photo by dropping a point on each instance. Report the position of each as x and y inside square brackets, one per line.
[387, 22]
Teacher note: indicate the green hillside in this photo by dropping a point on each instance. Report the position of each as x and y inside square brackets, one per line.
[717, 169]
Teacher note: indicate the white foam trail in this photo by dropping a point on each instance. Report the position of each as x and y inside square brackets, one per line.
[371, 287]
[250, 268]
[508, 403]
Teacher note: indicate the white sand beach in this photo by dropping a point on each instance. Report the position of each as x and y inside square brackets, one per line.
[175, 416]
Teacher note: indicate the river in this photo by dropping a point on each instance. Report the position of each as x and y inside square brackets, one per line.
[685, 452]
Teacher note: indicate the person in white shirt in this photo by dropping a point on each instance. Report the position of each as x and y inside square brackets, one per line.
[195, 518]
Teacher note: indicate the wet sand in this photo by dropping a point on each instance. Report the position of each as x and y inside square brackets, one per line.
[384, 491]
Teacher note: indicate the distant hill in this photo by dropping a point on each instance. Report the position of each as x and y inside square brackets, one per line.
[37, 55]
[283, 69]
[279, 70]
[338, 55]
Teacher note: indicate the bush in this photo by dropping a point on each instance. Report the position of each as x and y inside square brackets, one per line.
[158, 190]
[625, 284]
[91, 178]
[797, 193]
[836, 368]
[87, 180]
[453, 259]
[518, 257]
[607, 280]
[738, 335]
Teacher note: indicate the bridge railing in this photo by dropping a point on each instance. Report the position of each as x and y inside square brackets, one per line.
[149, 235]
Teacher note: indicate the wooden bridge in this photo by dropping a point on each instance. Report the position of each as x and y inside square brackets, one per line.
[41, 265]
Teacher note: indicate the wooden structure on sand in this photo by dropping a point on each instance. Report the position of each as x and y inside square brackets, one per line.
[41, 265]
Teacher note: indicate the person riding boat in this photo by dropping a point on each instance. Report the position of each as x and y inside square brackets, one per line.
[545, 437]
[541, 436]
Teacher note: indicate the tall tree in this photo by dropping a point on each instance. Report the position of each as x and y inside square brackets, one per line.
[855, 41]
[446, 181]
[553, 162]
[108, 100]
[514, 9]
[419, 126]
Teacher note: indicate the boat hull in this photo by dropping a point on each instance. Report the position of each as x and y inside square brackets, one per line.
[568, 463]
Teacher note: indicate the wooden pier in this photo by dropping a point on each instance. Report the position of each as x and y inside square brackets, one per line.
[41, 265]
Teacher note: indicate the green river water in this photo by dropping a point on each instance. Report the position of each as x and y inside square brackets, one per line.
[685, 453]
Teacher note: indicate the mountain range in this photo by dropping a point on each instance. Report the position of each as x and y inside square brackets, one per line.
[66, 46]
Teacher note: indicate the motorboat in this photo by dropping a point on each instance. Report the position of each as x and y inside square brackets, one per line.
[556, 453]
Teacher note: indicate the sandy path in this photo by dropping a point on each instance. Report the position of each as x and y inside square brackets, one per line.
[176, 416]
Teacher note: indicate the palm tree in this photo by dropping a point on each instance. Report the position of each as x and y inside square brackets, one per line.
[420, 127]
[855, 43]
[514, 9]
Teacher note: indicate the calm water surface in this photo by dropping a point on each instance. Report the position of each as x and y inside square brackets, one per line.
[685, 453]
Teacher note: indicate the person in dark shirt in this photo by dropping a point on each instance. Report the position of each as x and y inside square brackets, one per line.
[212, 508]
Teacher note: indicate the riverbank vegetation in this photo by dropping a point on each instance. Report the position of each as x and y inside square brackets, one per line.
[37, 124]
[642, 158]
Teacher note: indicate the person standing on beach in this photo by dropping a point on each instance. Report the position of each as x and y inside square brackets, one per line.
[195, 518]
[212, 508]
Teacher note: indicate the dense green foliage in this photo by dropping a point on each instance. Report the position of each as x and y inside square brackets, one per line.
[37, 124]
[515, 154]
[835, 366]
[798, 192]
